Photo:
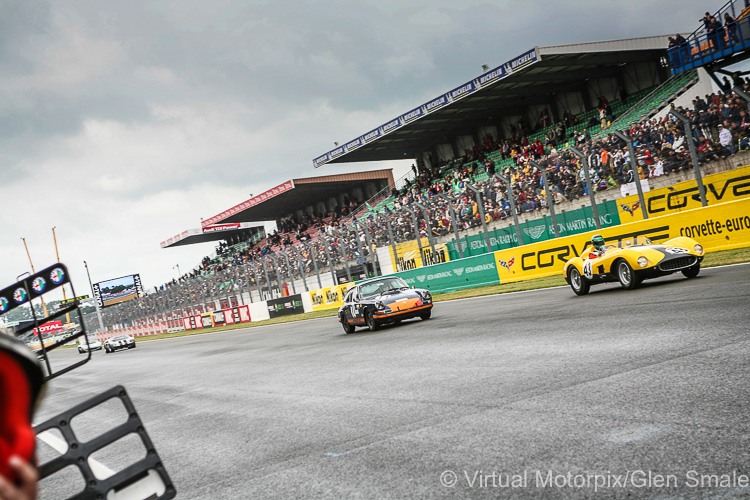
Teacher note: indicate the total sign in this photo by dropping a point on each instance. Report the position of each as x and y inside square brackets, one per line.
[51, 327]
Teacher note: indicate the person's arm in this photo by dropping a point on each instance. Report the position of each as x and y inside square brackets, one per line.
[27, 484]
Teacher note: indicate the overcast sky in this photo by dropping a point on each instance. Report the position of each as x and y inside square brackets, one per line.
[123, 123]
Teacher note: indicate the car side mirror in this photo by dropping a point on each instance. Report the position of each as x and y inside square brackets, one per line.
[413, 287]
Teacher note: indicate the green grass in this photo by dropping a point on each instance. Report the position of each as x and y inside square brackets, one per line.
[726, 257]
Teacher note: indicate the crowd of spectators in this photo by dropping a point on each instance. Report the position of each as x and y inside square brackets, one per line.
[720, 127]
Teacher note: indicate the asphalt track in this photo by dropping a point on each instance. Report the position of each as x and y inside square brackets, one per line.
[618, 383]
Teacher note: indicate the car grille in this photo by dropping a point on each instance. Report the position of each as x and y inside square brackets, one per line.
[678, 263]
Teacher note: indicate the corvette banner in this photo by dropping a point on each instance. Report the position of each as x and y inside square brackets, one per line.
[719, 227]
[720, 188]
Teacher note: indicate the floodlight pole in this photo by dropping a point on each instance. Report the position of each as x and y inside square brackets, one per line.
[342, 250]
[416, 231]
[480, 206]
[278, 273]
[359, 244]
[268, 278]
[693, 153]
[511, 199]
[247, 267]
[390, 237]
[550, 201]
[585, 167]
[96, 306]
[330, 261]
[311, 247]
[257, 281]
[430, 237]
[455, 222]
[368, 241]
[289, 267]
[634, 167]
[301, 269]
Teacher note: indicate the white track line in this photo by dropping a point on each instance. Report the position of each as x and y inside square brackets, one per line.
[150, 486]
[100, 470]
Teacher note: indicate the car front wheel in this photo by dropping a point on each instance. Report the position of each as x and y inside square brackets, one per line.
[579, 285]
[626, 275]
[692, 271]
[426, 315]
[347, 327]
[371, 323]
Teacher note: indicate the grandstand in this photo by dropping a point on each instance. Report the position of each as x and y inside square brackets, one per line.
[543, 82]
[532, 107]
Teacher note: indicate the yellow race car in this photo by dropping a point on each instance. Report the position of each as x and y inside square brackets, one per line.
[632, 261]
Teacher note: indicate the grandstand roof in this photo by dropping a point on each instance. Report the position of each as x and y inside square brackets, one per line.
[505, 90]
[214, 232]
[295, 194]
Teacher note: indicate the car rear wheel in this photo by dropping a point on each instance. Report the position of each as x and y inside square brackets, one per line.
[371, 323]
[347, 327]
[692, 271]
[626, 275]
[579, 285]
[426, 315]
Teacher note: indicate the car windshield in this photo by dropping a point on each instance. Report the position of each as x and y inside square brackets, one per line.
[120, 337]
[638, 240]
[383, 285]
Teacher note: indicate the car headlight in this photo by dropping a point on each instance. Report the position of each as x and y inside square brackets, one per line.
[379, 304]
[698, 249]
[642, 261]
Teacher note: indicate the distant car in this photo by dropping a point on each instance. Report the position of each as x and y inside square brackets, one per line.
[382, 301]
[119, 342]
[92, 345]
[632, 262]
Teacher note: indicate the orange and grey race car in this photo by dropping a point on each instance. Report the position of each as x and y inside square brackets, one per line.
[382, 301]
[630, 262]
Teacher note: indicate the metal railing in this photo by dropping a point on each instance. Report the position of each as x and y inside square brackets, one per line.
[704, 45]
[347, 251]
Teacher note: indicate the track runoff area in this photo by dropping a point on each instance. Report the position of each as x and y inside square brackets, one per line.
[532, 394]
